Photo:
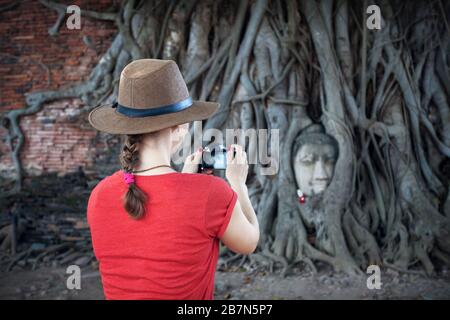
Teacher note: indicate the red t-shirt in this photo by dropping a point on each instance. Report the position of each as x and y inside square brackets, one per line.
[170, 253]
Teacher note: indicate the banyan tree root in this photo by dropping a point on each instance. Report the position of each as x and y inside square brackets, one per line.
[284, 65]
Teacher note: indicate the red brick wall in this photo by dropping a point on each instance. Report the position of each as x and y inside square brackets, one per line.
[31, 60]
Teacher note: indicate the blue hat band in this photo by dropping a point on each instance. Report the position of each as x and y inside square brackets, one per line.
[138, 113]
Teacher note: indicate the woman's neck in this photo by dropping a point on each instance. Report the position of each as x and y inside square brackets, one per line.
[154, 155]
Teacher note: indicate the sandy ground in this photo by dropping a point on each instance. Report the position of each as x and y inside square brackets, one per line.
[50, 283]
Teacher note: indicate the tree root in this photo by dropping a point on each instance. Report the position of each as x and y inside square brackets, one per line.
[49, 250]
[400, 269]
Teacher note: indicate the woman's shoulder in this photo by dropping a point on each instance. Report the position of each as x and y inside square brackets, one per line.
[213, 180]
[105, 181]
[211, 184]
[192, 179]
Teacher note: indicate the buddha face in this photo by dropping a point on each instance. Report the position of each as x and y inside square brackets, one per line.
[314, 166]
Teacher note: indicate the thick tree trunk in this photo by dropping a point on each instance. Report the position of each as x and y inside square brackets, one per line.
[382, 94]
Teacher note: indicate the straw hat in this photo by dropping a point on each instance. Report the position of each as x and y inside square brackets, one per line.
[152, 96]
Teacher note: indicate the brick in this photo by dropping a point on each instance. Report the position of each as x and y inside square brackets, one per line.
[51, 144]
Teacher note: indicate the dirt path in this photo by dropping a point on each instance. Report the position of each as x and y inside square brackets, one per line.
[50, 283]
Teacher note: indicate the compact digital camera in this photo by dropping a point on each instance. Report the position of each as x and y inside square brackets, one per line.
[215, 158]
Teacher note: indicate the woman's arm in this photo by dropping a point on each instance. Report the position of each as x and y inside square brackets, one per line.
[242, 233]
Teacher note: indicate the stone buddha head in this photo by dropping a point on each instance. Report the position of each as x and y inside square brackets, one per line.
[314, 157]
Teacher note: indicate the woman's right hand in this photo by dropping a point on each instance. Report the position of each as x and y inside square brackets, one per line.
[237, 166]
[192, 161]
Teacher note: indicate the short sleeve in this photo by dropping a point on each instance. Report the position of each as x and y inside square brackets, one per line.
[219, 207]
[91, 204]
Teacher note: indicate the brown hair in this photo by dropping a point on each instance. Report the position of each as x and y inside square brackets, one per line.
[135, 199]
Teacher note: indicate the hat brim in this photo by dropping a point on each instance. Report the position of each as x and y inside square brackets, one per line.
[107, 119]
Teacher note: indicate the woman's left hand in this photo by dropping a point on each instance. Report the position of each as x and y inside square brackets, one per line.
[192, 161]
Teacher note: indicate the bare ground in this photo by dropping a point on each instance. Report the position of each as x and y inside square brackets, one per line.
[50, 283]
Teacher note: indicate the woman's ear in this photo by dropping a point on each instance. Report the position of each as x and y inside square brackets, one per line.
[183, 126]
[177, 128]
[177, 134]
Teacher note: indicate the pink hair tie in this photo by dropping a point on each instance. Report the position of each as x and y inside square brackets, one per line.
[129, 177]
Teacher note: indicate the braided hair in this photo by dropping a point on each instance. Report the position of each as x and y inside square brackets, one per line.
[135, 199]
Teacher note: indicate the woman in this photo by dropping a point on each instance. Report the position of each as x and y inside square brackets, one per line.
[155, 231]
